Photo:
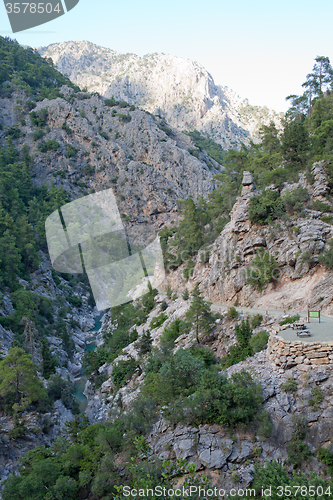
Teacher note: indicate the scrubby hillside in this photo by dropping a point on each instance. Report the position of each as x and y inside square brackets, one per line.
[178, 396]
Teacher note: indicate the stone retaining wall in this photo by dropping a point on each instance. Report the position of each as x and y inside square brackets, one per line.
[304, 355]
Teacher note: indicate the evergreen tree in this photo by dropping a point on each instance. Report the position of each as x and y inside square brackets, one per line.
[144, 343]
[295, 143]
[199, 314]
[19, 381]
[190, 228]
[49, 361]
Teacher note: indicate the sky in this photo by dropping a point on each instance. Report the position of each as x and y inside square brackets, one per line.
[262, 50]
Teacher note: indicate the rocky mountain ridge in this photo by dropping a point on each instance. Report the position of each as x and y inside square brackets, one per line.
[148, 164]
[180, 90]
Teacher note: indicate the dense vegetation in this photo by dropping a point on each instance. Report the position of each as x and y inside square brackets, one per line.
[23, 211]
[24, 69]
[214, 150]
[189, 389]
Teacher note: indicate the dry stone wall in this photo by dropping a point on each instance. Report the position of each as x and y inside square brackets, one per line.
[303, 355]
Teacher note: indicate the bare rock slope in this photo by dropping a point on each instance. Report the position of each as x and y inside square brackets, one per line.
[180, 90]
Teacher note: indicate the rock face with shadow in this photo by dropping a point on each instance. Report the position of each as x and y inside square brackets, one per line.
[87, 146]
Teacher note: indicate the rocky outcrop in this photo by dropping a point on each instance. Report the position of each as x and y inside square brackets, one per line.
[300, 282]
[320, 187]
[221, 456]
[41, 429]
[147, 164]
[248, 183]
[180, 90]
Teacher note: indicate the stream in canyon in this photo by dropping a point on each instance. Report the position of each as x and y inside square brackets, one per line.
[81, 382]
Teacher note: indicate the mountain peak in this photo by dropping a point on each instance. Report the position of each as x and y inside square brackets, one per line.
[180, 90]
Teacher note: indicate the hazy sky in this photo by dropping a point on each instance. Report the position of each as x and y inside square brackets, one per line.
[260, 49]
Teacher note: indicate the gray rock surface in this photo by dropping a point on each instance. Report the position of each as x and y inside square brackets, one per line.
[178, 89]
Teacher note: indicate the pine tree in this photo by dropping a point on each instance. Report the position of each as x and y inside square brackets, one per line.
[18, 379]
[199, 314]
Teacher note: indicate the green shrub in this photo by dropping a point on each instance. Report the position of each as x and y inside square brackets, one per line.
[188, 270]
[58, 388]
[19, 430]
[186, 295]
[158, 321]
[29, 106]
[124, 118]
[290, 385]
[328, 219]
[256, 320]
[133, 335]
[205, 354]
[173, 330]
[264, 269]
[81, 96]
[39, 118]
[110, 102]
[321, 206]
[51, 145]
[13, 132]
[241, 350]
[212, 148]
[123, 371]
[259, 341]
[298, 450]
[123, 104]
[232, 313]
[38, 134]
[75, 301]
[294, 201]
[144, 343]
[66, 129]
[88, 170]
[105, 135]
[317, 397]
[71, 151]
[326, 258]
[326, 457]
[266, 207]
[289, 320]
[164, 305]
[162, 126]
[193, 152]
[233, 402]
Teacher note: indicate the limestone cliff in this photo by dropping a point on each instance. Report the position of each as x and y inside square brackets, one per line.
[180, 90]
[146, 163]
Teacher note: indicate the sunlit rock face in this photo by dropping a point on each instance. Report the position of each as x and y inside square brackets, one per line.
[180, 90]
